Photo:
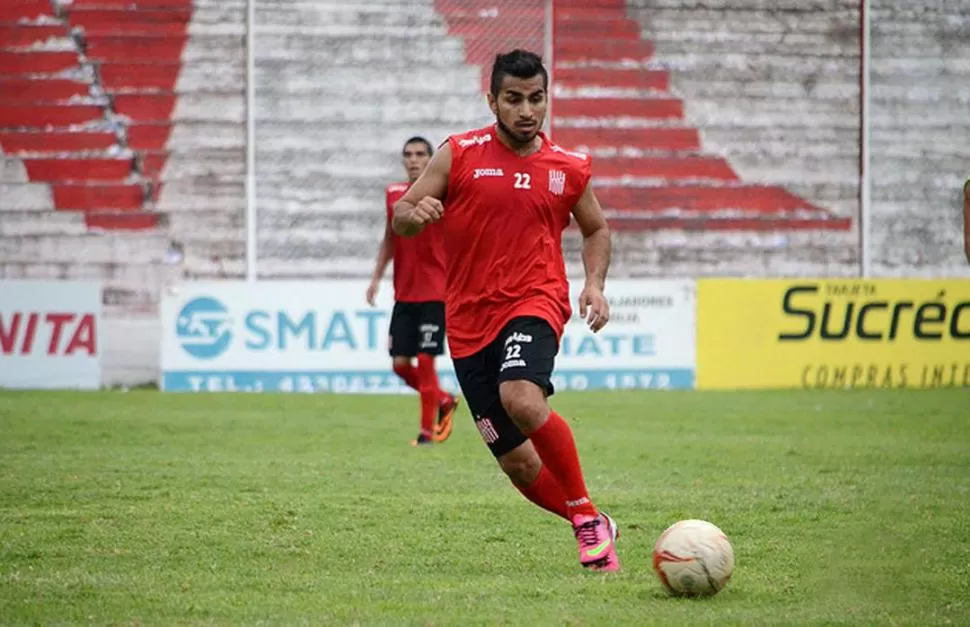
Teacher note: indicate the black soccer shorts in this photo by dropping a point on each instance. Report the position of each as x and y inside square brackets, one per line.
[524, 350]
[417, 328]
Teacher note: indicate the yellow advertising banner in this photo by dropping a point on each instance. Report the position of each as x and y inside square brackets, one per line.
[833, 334]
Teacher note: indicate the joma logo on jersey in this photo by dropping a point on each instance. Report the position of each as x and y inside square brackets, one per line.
[477, 140]
[480, 172]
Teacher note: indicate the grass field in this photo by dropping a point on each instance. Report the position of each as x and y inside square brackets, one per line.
[143, 508]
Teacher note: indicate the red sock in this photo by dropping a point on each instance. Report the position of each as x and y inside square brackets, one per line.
[546, 492]
[408, 374]
[430, 393]
[556, 448]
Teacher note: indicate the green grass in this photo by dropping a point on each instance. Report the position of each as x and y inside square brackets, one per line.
[143, 508]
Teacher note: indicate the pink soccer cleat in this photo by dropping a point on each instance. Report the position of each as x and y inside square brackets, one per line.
[614, 528]
[596, 536]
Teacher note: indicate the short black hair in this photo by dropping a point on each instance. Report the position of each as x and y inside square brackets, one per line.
[520, 64]
[417, 139]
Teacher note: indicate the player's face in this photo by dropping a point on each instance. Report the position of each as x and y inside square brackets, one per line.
[415, 159]
[520, 107]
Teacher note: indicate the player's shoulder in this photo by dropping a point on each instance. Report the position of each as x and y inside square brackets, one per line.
[396, 188]
[475, 138]
[569, 158]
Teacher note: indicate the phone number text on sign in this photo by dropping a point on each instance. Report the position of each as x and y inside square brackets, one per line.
[384, 383]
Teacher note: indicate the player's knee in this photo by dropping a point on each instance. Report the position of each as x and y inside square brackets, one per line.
[525, 403]
[401, 364]
[521, 464]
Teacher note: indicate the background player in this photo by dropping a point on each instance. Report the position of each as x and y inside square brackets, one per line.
[966, 218]
[418, 320]
[510, 193]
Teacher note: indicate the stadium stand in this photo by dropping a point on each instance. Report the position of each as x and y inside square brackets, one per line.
[920, 137]
[110, 148]
[610, 102]
[340, 86]
[726, 133]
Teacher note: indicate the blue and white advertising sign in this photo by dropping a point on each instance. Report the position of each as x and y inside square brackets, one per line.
[279, 336]
[649, 342]
[323, 337]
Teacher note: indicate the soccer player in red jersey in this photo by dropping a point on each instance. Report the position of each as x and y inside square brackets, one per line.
[508, 192]
[418, 320]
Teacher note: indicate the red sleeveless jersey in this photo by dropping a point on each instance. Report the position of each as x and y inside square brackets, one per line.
[419, 261]
[503, 221]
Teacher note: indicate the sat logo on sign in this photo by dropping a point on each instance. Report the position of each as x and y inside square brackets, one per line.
[204, 328]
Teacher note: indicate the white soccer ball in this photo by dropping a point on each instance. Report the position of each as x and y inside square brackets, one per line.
[693, 558]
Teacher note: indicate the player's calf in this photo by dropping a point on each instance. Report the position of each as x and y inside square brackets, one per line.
[533, 480]
[521, 465]
[525, 403]
[402, 368]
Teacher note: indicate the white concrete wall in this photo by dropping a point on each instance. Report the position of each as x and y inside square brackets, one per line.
[773, 87]
[920, 136]
[339, 88]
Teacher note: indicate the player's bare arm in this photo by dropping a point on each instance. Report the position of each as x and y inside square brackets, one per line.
[421, 205]
[597, 248]
[384, 254]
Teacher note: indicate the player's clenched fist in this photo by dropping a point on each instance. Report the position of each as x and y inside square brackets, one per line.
[409, 220]
[427, 211]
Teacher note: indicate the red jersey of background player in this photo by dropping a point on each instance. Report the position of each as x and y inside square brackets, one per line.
[419, 262]
[503, 220]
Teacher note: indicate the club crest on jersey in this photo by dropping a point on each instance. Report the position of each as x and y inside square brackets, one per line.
[476, 140]
[480, 172]
[557, 182]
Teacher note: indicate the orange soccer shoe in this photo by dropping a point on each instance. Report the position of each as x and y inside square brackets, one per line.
[443, 424]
